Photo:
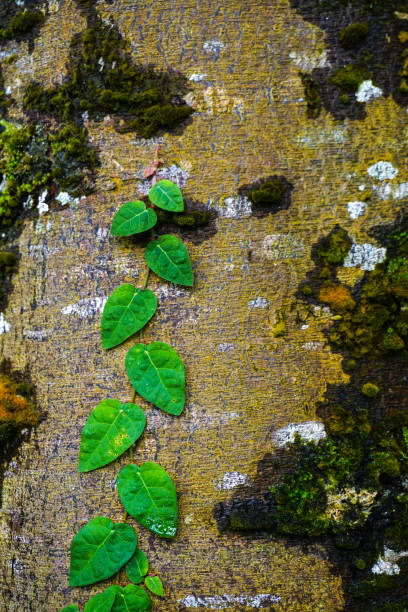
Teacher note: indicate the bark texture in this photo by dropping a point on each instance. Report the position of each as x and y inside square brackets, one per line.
[243, 383]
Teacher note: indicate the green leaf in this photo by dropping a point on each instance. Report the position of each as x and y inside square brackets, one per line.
[137, 567]
[157, 374]
[99, 549]
[168, 258]
[149, 495]
[126, 311]
[167, 195]
[110, 430]
[155, 585]
[133, 218]
[70, 609]
[102, 602]
[132, 598]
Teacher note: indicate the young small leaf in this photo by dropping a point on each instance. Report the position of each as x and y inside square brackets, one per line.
[99, 549]
[157, 374]
[73, 608]
[168, 258]
[133, 218]
[132, 598]
[126, 311]
[137, 567]
[110, 430]
[149, 495]
[167, 195]
[102, 602]
[155, 585]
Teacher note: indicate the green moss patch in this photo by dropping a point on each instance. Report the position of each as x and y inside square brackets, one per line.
[268, 195]
[102, 80]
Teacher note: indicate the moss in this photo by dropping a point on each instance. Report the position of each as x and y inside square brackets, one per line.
[337, 297]
[332, 250]
[370, 390]
[349, 78]
[269, 193]
[72, 154]
[22, 23]
[353, 35]
[103, 80]
[191, 218]
[25, 166]
[312, 96]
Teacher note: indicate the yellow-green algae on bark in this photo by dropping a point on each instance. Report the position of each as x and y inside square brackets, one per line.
[243, 383]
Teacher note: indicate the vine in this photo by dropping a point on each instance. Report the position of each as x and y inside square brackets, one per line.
[101, 548]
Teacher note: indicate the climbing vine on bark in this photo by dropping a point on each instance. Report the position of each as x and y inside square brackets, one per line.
[101, 548]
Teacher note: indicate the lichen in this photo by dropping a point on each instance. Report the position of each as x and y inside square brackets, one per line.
[351, 485]
[355, 35]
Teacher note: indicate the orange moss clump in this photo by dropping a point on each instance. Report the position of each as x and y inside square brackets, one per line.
[15, 410]
[337, 297]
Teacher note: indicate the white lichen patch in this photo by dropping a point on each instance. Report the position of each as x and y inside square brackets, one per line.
[230, 480]
[234, 208]
[63, 198]
[234, 602]
[226, 347]
[356, 209]
[387, 563]
[307, 62]
[4, 326]
[368, 91]
[88, 307]
[213, 46]
[36, 334]
[259, 302]
[386, 191]
[280, 247]
[382, 171]
[196, 77]
[42, 206]
[312, 346]
[309, 430]
[174, 173]
[364, 256]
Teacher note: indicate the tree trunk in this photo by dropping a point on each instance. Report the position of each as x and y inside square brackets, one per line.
[243, 383]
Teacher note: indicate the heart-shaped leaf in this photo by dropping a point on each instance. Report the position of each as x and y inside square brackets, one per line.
[137, 567]
[149, 495]
[126, 311]
[168, 258]
[132, 598]
[133, 218]
[157, 374]
[155, 585]
[102, 602]
[73, 608]
[111, 429]
[99, 549]
[167, 195]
